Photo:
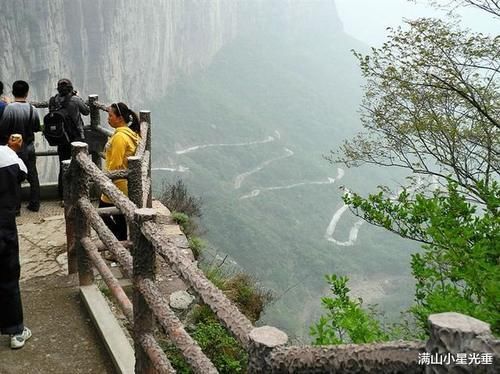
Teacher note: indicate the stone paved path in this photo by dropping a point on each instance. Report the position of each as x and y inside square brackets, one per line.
[43, 248]
[64, 338]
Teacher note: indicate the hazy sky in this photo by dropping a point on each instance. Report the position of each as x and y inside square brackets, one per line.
[367, 20]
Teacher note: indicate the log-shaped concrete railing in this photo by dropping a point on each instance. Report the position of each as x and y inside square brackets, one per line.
[267, 347]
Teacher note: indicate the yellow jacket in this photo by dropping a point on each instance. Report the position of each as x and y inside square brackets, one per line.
[121, 145]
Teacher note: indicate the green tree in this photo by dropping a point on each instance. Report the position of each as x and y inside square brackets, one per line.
[432, 106]
[458, 269]
[345, 321]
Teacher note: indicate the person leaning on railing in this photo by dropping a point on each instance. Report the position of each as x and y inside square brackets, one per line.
[75, 107]
[122, 144]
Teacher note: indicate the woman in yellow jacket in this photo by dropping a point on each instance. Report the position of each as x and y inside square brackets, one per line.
[121, 145]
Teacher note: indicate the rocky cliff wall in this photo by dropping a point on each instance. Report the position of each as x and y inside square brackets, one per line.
[133, 50]
[121, 49]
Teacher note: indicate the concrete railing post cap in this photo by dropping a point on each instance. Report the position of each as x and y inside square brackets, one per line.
[268, 336]
[145, 214]
[460, 322]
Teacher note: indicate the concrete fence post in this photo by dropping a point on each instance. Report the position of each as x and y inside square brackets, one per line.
[145, 116]
[95, 117]
[465, 343]
[262, 341]
[80, 187]
[95, 122]
[143, 268]
[68, 217]
[135, 182]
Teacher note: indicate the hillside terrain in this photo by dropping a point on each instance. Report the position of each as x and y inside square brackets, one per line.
[248, 135]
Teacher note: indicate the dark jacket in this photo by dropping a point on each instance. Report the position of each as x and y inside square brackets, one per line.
[75, 106]
[19, 118]
[2, 107]
[12, 172]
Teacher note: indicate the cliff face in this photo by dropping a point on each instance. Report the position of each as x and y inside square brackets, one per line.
[121, 49]
[132, 50]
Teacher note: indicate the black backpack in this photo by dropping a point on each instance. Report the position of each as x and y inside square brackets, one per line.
[57, 124]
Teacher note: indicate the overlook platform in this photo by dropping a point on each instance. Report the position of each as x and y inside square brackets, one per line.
[157, 261]
[64, 337]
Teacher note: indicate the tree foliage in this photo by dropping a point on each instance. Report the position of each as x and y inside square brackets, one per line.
[490, 6]
[345, 321]
[458, 269]
[431, 105]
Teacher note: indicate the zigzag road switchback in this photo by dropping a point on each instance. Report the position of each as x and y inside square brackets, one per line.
[197, 147]
[256, 192]
[353, 232]
[180, 169]
[241, 177]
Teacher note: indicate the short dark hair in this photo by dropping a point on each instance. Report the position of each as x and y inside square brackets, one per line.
[20, 88]
[1, 88]
[64, 87]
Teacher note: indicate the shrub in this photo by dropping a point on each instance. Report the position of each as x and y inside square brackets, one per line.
[187, 225]
[251, 299]
[177, 198]
[346, 321]
[180, 218]
[215, 341]
[222, 349]
[196, 245]
[242, 290]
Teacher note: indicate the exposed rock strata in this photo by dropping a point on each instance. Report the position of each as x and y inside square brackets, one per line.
[131, 49]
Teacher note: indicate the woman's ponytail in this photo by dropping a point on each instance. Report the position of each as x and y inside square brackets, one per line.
[134, 122]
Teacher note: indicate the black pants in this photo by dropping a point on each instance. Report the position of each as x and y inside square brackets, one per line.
[11, 309]
[116, 223]
[29, 158]
[64, 153]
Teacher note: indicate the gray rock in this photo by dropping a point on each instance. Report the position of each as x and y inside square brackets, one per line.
[181, 300]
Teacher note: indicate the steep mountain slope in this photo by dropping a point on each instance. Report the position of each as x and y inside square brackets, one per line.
[252, 129]
[248, 95]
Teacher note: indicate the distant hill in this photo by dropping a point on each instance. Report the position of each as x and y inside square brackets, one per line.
[251, 129]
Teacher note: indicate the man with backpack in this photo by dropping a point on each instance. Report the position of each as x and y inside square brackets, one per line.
[21, 118]
[63, 124]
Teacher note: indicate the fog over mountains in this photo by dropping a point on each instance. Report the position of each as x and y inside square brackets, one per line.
[246, 98]
[252, 129]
